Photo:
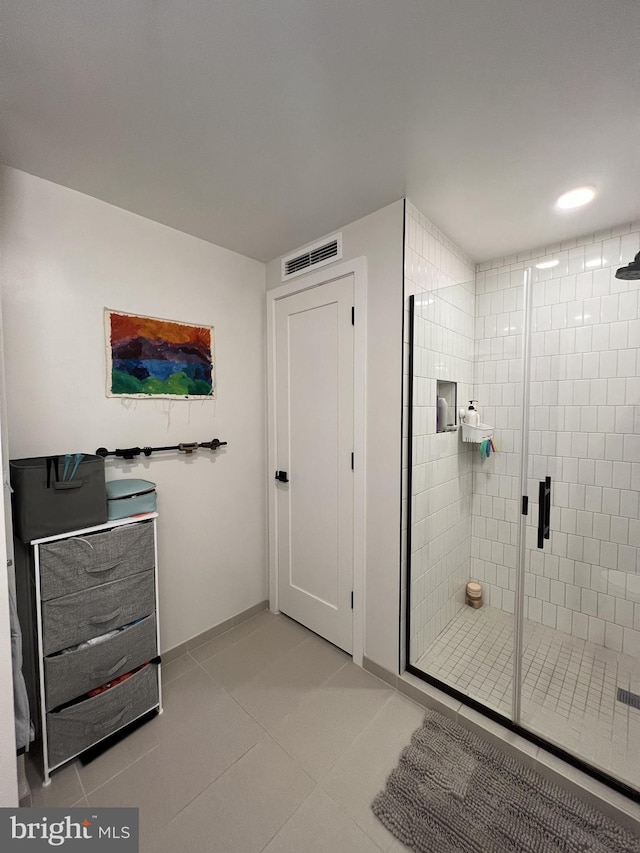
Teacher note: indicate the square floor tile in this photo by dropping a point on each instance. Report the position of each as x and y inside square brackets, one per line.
[65, 788]
[361, 772]
[232, 636]
[279, 689]
[318, 732]
[320, 826]
[187, 699]
[176, 668]
[242, 810]
[241, 662]
[188, 759]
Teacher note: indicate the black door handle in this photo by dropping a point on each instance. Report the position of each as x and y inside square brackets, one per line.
[544, 511]
[547, 522]
[281, 476]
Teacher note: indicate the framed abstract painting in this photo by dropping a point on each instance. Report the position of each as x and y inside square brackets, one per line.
[150, 357]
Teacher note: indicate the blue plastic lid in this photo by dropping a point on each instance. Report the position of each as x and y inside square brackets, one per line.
[128, 488]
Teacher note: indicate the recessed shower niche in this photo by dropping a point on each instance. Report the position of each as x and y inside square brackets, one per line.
[446, 406]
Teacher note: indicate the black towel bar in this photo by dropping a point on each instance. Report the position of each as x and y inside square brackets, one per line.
[184, 447]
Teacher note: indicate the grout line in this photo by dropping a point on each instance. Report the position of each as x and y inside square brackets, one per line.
[82, 788]
[354, 821]
[278, 831]
[122, 770]
[311, 692]
[273, 663]
[216, 779]
[218, 683]
[229, 631]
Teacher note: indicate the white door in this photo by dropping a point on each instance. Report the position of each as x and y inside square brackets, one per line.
[314, 412]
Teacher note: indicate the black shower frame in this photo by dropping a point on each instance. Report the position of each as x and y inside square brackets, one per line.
[571, 759]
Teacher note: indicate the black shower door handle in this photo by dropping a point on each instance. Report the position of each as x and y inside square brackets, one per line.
[544, 511]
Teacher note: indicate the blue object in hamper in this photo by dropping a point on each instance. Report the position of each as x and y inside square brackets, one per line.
[130, 497]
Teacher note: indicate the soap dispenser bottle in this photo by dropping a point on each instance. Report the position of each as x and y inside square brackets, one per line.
[472, 417]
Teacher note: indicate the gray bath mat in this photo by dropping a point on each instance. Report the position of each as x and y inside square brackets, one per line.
[453, 792]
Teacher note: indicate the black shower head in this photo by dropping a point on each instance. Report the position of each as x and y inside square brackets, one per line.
[632, 271]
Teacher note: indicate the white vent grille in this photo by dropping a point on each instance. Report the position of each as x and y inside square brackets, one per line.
[315, 255]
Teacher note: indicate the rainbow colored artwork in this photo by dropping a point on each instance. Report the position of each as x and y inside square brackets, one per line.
[148, 357]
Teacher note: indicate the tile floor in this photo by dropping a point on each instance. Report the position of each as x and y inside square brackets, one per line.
[569, 691]
[271, 739]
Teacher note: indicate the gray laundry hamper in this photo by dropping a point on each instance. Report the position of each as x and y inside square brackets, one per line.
[56, 494]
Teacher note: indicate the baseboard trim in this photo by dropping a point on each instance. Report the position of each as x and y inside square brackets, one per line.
[200, 639]
[612, 803]
[380, 672]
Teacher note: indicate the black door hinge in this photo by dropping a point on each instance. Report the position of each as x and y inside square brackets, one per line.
[352, 599]
[353, 316]
[352, 461]
[525, 505]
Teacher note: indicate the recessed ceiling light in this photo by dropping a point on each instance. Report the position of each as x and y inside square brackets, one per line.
[575, 198]
[546, 265]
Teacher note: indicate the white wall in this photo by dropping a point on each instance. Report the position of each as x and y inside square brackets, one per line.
[66, 257]
[378, 237]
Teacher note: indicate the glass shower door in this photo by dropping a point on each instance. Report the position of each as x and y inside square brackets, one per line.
[548, 524]
[465, 343]
[580, 679]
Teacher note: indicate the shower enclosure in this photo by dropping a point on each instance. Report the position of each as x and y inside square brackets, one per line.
[547, 520]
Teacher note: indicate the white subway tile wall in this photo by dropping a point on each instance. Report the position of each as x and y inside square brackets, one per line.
[498, 390]
[441, 278]
[584, 433]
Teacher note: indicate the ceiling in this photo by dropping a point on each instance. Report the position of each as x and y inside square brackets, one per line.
[261, 125]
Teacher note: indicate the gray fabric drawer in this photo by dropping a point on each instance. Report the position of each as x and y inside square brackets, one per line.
[76, 728]
[72, 619]
[74, 673]
[84, 561]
